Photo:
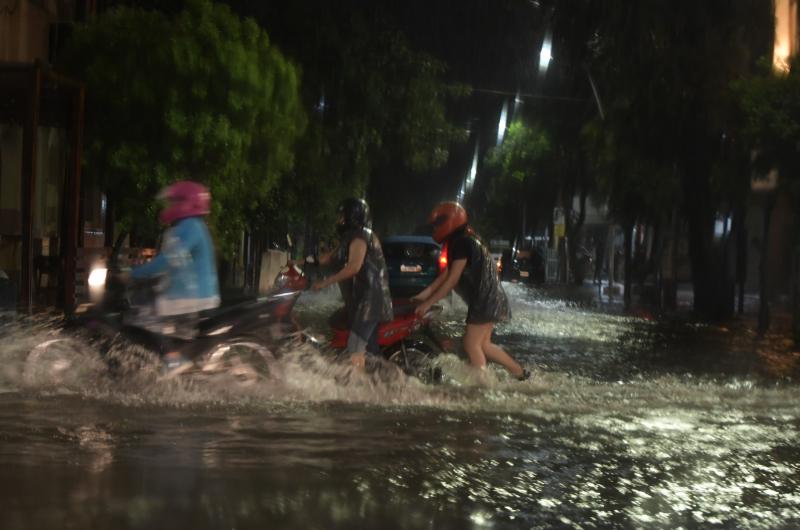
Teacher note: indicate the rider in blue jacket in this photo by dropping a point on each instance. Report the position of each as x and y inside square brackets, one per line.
[185, 265]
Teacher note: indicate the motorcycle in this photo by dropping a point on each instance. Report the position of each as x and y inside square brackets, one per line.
[401, 341]
[237, 338]
[407, 341]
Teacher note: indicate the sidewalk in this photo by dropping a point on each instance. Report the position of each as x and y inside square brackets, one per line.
[612, 299]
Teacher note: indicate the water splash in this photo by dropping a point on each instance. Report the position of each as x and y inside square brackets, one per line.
[587, 441]
[37, 357]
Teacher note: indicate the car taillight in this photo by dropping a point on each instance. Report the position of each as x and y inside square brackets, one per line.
[443, 259]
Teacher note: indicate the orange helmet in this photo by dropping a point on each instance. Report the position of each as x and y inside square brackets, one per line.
[446, 218]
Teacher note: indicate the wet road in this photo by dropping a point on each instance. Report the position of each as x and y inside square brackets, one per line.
[628, 423]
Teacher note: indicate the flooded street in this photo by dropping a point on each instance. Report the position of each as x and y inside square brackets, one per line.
[627, 423]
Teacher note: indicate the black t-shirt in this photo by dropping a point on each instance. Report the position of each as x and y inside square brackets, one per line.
[478, 285]
[464, 245]
[460, 247]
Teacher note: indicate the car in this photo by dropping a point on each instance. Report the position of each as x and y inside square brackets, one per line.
[528, 266]
[413, 262]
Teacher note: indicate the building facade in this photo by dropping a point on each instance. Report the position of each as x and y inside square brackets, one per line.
[41, 125]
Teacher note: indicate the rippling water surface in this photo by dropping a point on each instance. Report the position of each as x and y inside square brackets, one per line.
[628, 422]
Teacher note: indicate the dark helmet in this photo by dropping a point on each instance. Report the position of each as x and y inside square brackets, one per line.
[353, 214]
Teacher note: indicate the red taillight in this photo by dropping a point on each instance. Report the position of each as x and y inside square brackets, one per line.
[443, 259]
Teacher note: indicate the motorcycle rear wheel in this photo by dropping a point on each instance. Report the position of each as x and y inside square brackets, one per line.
[62, 362]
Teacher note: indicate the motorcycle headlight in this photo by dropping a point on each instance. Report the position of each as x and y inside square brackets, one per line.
[97, 278]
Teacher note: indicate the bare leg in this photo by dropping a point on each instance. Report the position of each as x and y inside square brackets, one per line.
[498, 355]
[358, 360]
[473, 344]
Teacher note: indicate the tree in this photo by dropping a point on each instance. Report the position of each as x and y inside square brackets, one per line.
[209, 99]
[667, 69]
[770, 107]
[518, 183]
[378, 123]
[636, 189]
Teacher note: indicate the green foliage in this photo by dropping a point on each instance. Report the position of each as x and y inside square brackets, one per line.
[521, 152]
[667, 67]
[201, 96]
[518, 172]
[635, 188]
[670, 138]
[770, 104]
[384, 121]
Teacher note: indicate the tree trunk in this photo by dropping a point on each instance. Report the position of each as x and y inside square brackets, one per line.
[763, 291]
[573, 229]
[740, 231]
[628, 257]
[670, 293]
[725, 284]
[599, 255]
[611, 255]
[795, 296]
[658, 261]
[700, 216]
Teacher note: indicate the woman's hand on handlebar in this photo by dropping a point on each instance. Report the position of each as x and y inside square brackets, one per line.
[422, 308]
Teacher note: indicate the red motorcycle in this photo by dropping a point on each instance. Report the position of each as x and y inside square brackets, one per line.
[401, 340]
[407, 340]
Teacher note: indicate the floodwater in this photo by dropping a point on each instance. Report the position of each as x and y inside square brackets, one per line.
[628, 422]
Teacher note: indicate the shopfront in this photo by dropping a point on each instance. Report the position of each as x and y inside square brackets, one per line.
[41, 122]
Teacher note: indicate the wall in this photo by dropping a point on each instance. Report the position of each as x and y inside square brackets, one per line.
[786, 37]
[25, 28]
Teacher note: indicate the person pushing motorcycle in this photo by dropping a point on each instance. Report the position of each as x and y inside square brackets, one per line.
[363, 278]
[472, 272]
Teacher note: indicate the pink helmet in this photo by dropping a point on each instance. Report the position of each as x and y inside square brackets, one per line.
[185, 199]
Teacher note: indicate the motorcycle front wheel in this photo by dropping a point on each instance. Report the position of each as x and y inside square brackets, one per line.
[417, 361]
[244, 359]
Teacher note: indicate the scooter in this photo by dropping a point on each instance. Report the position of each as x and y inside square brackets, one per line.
[407, 340]
[401, 340]
[238, 338]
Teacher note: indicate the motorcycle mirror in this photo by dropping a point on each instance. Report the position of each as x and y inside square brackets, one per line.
[113, 258]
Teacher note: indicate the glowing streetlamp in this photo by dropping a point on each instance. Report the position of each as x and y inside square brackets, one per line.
[546, 53]
[501, 127]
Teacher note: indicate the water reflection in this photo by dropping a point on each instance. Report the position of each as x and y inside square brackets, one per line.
[627, 423]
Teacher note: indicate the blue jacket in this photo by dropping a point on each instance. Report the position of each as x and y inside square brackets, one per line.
[187, 267]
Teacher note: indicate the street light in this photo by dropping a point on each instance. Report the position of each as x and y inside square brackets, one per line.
[546, 56]
[501, 127]
[473, 170]
[546, 53]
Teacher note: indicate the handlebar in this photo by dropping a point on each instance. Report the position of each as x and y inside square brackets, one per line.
[113, 258]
